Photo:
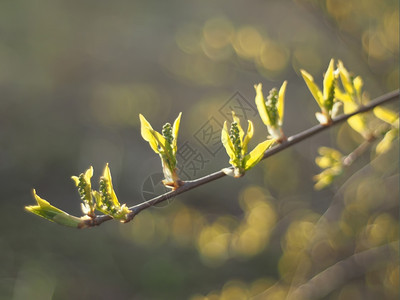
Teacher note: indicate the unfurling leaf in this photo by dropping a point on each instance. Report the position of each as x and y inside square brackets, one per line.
[272, 110]
[236, 143]
[329, 86]
[357, 122]
[352, 86]
[326, 98]
[351, 98]
[331, 161]
[106, 199]
[156, 140]
[386, 143]
[164, 144]
[326, 177]
[392, 118]
[387, 116]
[83, 183]
[314, 89]
[175, 132]
[257, 154]
[45, 210]
[227, 142]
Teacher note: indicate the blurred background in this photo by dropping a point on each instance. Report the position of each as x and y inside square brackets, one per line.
[75, 75]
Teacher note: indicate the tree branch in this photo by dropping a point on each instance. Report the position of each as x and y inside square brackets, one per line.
[341, 272]
[350, 158]
[189, 185]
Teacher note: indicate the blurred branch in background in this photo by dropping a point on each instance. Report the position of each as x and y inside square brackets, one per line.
[343, 271]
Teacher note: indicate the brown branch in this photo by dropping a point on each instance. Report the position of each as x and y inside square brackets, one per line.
[189, 185]
[349, 159]
[338, 274]
[356, 153]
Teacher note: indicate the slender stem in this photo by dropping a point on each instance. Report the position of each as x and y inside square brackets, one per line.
[356, 153]
[189, 185]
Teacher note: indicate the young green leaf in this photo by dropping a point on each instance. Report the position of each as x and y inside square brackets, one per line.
[351, 98]
[331, 161]
[281, 102]
[346, 79]
[150, 135]
[352, 86]
[357, 122]
[249, 136]
[387, 115]
[45, 210]
[227, 143]
[175, 129]
[257, 154]
[315, 91]
[260, 103]
[326, 98]
[107, 201]
[83, 183]
[271, 111]
[358, 84]
[236, 143]
[164, 144]
[329, 86]
[386, 143]
[392, 118]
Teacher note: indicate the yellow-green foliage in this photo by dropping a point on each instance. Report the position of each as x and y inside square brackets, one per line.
[236, 142]
[106, 199]
[325, 98]
[165, 145]
[45, 210]
[272, 110]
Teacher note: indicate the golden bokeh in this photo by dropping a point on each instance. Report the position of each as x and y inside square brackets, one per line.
[374, 45]
[391, 31]
[234, 290]
[273, 57]
[149, 230]
[381, 230]
[213, 243]
[307, 58]
[350, 292]
[188, 38]
[339, 8]
[218, 32]
[248, 42]
[119, 105]
[186, 224]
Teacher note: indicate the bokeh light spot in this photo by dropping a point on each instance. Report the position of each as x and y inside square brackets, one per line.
[218, 32]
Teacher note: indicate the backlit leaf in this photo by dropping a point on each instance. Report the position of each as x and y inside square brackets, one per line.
[329, 80]
[260, 103]
[226, 141]
[281, 102]
[345, 79]
[45, 210]
[237, 120]
[248, 137]
[386, 143]
[148, 133]
[315, 91]
[175, 131]
[257, 153]
[385, 114]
